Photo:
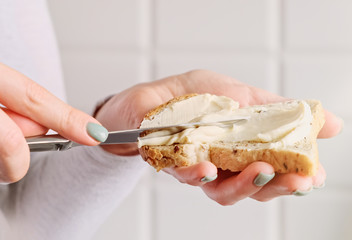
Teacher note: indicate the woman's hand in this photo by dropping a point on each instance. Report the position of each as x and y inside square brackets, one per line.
[127, 109]
[31, 110]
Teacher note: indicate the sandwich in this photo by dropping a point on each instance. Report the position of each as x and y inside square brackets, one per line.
[282, 134]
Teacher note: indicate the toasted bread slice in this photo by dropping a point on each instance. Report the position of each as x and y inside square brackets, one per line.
[290, 152]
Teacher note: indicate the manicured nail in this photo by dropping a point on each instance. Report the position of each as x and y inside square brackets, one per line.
[319, 187]
[209, 178]
[342, 124]
[263, 179]
[98, 132]
[300, 193]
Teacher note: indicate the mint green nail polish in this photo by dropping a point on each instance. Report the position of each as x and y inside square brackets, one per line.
[342, 124]
[97, 132]
[209, 178]
[319, 187]
[263, 179]
[300, 193]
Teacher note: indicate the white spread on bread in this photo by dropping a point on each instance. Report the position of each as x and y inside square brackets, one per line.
[279, 124]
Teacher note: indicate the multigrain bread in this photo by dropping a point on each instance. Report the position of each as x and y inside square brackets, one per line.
[281, 134]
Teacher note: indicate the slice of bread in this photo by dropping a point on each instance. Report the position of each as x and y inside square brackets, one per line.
[292, 150]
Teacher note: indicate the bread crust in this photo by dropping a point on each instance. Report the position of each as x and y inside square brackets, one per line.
[234, 158]
[301, 158]
[283, 161]
[160, 108]
[165, 156]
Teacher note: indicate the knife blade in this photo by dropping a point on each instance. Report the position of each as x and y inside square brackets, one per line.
[55, 142]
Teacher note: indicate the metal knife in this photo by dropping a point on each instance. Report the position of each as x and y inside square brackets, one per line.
[56, 142]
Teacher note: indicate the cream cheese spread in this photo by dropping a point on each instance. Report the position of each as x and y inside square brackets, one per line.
[279, 124]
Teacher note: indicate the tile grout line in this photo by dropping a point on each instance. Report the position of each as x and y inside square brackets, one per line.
[153, 43]
[149, 51]
[281, 45]
[146, 48]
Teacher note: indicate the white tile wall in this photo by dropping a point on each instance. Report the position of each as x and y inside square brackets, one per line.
[322, 76]
[324, 25]
[258, 69]
[298, 48]
[104, 23]
[204, 24]
[324, 215]
[100, 74]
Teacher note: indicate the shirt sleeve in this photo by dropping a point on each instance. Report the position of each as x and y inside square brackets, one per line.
[68, 195]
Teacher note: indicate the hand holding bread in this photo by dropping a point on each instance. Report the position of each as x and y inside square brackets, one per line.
[128, 109]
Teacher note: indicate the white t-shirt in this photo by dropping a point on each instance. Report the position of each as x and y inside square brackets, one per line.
[65, 195]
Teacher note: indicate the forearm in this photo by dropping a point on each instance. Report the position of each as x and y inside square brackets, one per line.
[67, 195]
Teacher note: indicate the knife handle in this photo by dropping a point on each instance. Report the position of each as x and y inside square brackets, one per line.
[49, 143]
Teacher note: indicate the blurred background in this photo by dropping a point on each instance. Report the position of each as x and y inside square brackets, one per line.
[297, 48]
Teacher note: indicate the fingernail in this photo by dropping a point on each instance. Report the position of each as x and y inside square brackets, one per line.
[300, 193]
[97, 131]
[319, 187]
[263, 179]
[342, 124]
[209, 178]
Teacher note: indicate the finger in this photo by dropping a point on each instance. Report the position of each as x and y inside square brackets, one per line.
[35, 102]
[291, 183]
[196, 175]
[14, 153]
[229, 190]
[284, 184]
[27, 126]
[333, 126]
[318, 180]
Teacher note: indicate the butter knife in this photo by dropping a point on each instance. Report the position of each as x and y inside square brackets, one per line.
[56, 142]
